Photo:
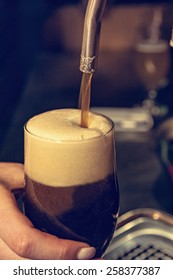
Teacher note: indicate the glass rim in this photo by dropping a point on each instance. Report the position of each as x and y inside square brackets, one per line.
[148, 45]
[112, 126]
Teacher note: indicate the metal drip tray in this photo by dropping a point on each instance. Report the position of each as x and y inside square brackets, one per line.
[142, 234]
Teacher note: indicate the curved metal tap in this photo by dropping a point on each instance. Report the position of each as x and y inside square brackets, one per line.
[91, 35]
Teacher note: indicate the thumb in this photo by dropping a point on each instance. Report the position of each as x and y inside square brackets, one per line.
[28, 242]
[12, 175]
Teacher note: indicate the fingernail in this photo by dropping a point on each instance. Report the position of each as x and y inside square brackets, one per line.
[86, 253]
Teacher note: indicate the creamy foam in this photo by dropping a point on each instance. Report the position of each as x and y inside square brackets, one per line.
[58, 152]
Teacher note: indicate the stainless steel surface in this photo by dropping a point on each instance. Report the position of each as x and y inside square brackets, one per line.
[91, 35]
[127, 119]
[142, 234]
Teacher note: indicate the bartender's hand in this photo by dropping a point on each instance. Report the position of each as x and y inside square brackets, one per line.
[18, 238]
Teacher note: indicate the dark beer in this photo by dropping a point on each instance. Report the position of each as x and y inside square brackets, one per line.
[71, 185]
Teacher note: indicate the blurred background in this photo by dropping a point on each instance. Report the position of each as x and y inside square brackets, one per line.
[40, 51]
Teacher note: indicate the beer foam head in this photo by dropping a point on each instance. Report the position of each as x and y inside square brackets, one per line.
[59, 152]
[64, 125]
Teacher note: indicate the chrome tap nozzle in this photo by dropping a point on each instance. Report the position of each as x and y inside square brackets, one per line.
[91, 35]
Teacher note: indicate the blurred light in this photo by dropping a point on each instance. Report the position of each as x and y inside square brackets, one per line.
[171, 42]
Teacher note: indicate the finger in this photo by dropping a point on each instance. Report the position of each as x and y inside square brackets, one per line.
[12, 175]
[7, 254]
[28, 242]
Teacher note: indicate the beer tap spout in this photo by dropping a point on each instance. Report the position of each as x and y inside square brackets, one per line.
[91, 35]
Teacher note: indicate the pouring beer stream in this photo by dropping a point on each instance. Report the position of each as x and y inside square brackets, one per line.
[89, 54]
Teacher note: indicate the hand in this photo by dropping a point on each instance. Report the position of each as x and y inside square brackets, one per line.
[18, 237]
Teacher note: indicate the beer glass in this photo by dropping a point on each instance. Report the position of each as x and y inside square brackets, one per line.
[152, 62]
[71, 187]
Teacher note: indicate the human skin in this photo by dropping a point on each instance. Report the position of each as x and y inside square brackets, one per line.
[19, 239]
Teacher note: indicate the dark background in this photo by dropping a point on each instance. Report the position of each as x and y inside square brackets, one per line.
[22, 40]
